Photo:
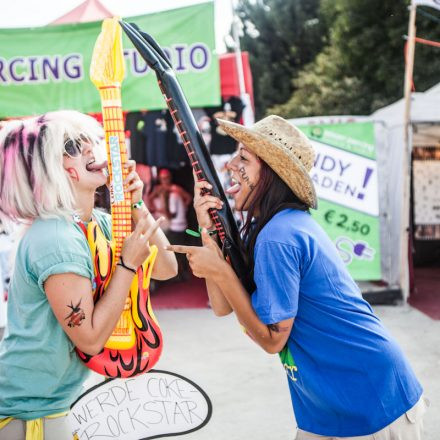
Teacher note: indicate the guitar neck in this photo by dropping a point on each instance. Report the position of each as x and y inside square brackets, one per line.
[117, 156]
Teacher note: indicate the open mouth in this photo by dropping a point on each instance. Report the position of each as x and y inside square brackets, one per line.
[235, 188]
[94, 166]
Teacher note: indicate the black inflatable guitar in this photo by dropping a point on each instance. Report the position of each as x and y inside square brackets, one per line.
[193, 142]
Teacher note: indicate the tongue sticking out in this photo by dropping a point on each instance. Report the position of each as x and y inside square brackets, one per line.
[233, 189]
[96, 166]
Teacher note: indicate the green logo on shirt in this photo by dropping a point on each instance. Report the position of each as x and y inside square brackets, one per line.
[288, 363]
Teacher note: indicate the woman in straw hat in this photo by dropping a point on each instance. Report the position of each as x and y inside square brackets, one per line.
[49, 172]
[347, 376]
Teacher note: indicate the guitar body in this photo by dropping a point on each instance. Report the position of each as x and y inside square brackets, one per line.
[136, 342]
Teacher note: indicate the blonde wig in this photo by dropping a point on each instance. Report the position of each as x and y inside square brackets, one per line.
[33, 181]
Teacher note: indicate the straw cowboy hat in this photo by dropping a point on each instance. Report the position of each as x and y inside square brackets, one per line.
[284, 148]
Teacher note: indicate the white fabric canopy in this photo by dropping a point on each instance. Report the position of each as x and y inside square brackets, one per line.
[390, 148]
[390, 143]
[424, 108]
[432, 3]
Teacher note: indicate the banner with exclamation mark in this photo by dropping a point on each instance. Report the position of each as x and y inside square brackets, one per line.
[345, 178]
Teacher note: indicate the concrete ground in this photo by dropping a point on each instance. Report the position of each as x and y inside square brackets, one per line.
[248, 387]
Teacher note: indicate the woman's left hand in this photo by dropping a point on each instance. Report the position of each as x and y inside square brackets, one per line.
[205, 261]
[133, 182]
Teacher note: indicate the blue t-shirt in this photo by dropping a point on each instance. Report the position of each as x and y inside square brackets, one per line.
[40, 373]
[347, 376]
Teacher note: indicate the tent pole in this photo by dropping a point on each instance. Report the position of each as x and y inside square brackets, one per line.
[409, 65]
[409, 68]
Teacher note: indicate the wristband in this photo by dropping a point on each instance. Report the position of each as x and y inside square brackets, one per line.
[211, 233]
[122, 264]
[198, 234]
[137, 205]
[192, 233]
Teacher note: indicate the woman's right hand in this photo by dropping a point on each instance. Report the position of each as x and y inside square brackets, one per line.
[136, 247]
[203, 202]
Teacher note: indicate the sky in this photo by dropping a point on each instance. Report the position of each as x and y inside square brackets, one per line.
[30, 13]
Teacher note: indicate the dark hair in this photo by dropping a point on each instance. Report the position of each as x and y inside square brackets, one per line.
[271, 195]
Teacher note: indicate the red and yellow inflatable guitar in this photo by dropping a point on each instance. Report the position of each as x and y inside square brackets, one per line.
[136, 342]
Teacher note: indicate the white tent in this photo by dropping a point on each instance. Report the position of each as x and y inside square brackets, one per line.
[392, 166]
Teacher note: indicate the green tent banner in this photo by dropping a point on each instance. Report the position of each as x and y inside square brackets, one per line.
[345, 178]
[47, 68]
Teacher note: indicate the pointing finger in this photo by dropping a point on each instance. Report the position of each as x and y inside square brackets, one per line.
[180, 249]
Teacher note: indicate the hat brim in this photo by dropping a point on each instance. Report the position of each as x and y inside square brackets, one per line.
[295, 176]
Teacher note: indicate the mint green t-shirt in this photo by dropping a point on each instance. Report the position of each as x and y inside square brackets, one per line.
[40, 373]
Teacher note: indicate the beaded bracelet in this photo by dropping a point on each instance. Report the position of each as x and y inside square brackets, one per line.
[137, 205]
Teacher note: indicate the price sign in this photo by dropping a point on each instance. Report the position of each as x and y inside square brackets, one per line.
[344, 222]
[345, 178]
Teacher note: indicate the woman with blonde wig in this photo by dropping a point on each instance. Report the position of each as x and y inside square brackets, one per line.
[347, 377]
[50, 168]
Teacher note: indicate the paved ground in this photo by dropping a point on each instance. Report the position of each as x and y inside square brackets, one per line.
[248, 387]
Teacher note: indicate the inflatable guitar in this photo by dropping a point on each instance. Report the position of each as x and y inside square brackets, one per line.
[193, 142]
[136, 342]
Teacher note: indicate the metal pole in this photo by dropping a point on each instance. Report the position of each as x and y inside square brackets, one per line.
[409, 65]
[406, 166]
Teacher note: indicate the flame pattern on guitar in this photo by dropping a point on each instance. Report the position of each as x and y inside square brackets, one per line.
[136, 342]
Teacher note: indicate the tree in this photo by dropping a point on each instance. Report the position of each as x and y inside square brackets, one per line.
[320, 89]
[362, 68]
[281, 37]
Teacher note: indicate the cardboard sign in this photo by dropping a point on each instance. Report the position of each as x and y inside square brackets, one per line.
[152, 405]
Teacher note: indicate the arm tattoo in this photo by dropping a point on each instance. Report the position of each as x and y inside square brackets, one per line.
[276, 328]
[76, 316]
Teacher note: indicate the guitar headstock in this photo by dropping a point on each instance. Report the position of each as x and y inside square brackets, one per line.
[107, 66]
